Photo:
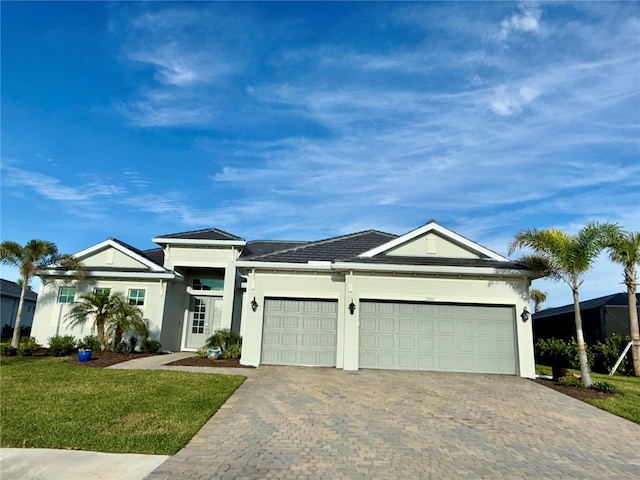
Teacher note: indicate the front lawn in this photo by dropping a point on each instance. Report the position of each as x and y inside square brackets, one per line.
[47, 403]
[625, 403]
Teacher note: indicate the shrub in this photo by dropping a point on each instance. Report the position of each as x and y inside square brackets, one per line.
[90, 342]
[150, 346]
[553, 351]
[232, 351]
[28, 346]
[61, 346]
[606, 354]
[133, 344]
[225, 339]
[201, 352]
[570, 381]
[9, 351]
[123, 347]
[602, 386]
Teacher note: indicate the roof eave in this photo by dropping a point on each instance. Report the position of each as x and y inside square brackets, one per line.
[198, 242]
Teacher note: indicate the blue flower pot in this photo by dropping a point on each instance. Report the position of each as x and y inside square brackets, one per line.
[84, 356]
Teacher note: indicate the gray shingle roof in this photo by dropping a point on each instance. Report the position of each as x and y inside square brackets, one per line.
[156, 255]
[330, 249]
[12, 289]
[205, 234]
[437, 261]
[616, 299]
[256, 248]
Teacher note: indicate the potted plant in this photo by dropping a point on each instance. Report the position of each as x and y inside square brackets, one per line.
[84, 355]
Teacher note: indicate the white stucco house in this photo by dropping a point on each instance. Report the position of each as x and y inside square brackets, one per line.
[426, 300]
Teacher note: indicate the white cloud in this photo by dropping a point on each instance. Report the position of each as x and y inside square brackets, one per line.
[528, 20]
[507, 103]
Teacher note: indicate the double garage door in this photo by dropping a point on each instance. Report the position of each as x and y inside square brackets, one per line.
[393, 335]
[438, 337]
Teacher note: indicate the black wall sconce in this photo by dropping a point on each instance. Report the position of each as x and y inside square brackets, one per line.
[352, 307]
[254, 304]
[525, 315]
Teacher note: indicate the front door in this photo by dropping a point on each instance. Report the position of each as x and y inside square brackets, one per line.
[205, 314]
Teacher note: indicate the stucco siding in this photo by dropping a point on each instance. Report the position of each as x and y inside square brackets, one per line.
[110, 258]
[431, 245]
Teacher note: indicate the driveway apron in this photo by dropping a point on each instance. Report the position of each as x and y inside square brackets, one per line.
[295, 422]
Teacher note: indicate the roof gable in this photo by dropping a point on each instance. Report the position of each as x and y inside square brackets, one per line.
[433, 240]
[113, 254]
[207, 236]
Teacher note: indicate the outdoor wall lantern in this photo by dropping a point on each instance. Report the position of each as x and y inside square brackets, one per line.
[254, 304]
[525, 315]
[352, 307]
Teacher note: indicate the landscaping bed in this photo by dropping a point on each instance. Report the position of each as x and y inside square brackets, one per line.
[579, 393]
[196, 361]
[106, 358]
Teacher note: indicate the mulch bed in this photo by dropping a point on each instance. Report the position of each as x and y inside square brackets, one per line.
[576, 392]
[196, 361]
[106, 358]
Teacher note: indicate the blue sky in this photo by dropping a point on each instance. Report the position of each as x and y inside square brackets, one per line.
[310, 120]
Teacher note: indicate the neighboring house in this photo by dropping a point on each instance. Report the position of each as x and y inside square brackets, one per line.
[602, 318]
[427, 300]
[10, 298]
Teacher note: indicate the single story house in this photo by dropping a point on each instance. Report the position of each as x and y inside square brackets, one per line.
[602, 318]
[426, 300]
[9, 302]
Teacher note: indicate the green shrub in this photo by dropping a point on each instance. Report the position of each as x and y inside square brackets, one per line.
[602, 386]
[9, 351]
[570, 381]
[201, 352]
[124, 347]
[61, 346]
[232, 351]
[553, 351]
[150, 346]
[226, 339]
[606, 354]
[28, 346]
[133, 343]
[90, 342]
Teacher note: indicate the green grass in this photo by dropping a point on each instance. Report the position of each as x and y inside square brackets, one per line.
[46, 403]
[625, 403]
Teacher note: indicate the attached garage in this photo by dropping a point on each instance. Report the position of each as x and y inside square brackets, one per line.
[437, 337]
[300, 332]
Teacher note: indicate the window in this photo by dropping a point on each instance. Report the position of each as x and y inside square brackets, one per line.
[101, 290]
[66, 294]
[207, 284]
[136, 296]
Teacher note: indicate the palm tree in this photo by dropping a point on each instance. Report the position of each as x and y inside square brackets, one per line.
[566, 258]
[624, 249]
[33, 256]
[96, 305]
[538, 297]
[123, 318]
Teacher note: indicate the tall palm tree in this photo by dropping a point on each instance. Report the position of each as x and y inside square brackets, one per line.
[97, 306]
[33, 256]
[124, 317]
[624, 249]
[566, 258]
[538, 297]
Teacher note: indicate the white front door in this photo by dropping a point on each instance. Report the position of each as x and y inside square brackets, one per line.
[205, 314]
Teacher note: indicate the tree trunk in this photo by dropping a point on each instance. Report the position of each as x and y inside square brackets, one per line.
[15, 341]
[100, 329]
[582, 347]
[634, 330]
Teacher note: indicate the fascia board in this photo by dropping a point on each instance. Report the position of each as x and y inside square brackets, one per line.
[434, 227]
[114, 274]
[284, 266]
[447, 270]
[122, 249]
[198, 242]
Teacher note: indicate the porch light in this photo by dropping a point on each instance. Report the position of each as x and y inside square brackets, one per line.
[352, 307]
[525, 315]
[254, 304]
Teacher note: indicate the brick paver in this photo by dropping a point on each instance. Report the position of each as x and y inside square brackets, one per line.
[294, 422]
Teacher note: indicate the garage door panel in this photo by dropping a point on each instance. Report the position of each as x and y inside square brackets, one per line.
[423, 336]
[300, 332]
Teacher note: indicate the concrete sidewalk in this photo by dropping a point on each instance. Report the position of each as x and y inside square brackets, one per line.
[50, 464]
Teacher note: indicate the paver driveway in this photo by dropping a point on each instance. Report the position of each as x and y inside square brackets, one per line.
[294, 422]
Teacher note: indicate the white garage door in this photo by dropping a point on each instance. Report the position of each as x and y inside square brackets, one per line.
[300, 332]
[437, 337]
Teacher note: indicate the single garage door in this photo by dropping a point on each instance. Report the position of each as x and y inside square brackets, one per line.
[300, 332]
[437, 337]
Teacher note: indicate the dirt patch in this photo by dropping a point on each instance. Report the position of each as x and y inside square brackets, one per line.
[580, 393]
[196, 361]
[106, 359]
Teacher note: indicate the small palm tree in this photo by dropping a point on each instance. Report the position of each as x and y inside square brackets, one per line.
[33, 256]
[624, 248]
[95, 305]
[566, 258]
[123, 318]
[538, 297]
